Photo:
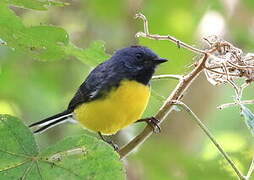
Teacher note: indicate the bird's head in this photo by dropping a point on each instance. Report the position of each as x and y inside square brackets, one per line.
[138, 62]
[139, 57]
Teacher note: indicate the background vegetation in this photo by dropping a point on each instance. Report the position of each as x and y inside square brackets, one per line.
[34, 85]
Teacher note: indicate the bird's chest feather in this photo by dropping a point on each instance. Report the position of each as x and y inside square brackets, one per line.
[119, 108]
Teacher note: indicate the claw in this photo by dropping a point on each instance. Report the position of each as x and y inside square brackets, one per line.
[115, 146]
[153, 123]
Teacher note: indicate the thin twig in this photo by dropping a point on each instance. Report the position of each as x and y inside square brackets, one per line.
[173, 39]
[167, 76]
[223, 106]
[222, 73]
[240, 67]
[211, 137]
[242, 87]
[237, 91]
[141, 16]
[251, 169]
[164, 37]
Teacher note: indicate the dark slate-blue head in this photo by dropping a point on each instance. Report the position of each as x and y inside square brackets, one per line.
[138, 62]
[139, 57]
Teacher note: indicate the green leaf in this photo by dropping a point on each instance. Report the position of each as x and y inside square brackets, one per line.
[93, 55]
[41, 42]
[85, 156]
[16, 145]
[44, 42]
[80, 157]
[35, 4]
[249, 118]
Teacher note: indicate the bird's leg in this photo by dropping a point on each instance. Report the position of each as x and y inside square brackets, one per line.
[115, 146]
[152, 122]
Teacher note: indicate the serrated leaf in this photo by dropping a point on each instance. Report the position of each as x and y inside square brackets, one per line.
[249, 118]
[80, 157]
[15, 135]
[17, 143]
[35, 4]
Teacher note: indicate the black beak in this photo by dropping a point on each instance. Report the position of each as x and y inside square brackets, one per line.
[159, 60]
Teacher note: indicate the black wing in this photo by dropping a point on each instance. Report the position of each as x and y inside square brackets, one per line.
[99, 81]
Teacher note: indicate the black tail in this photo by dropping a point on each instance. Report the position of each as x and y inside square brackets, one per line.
[51, 121]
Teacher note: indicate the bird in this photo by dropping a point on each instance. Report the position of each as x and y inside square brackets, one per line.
[113, 96]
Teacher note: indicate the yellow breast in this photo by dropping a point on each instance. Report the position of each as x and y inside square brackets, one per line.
[121, 107]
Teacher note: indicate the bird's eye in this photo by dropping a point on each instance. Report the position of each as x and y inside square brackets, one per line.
[139, 55]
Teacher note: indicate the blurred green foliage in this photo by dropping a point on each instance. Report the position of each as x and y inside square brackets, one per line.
[44, 42]
[33, 90]
[34, 4]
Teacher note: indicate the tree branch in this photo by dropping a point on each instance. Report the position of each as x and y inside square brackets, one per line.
[183, 84]
[222, 56]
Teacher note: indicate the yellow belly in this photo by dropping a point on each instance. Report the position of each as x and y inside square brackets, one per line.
[120, 108]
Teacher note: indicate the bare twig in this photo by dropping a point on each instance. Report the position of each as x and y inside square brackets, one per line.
[251, 169]
[223, 106]
[222, 73]
[242, 87]
[211, 137]
[230, 81]
[167, 76]
[141, 16]
[164, 37]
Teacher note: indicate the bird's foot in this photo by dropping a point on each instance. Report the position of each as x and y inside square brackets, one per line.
[153, 123]
[115, 146]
